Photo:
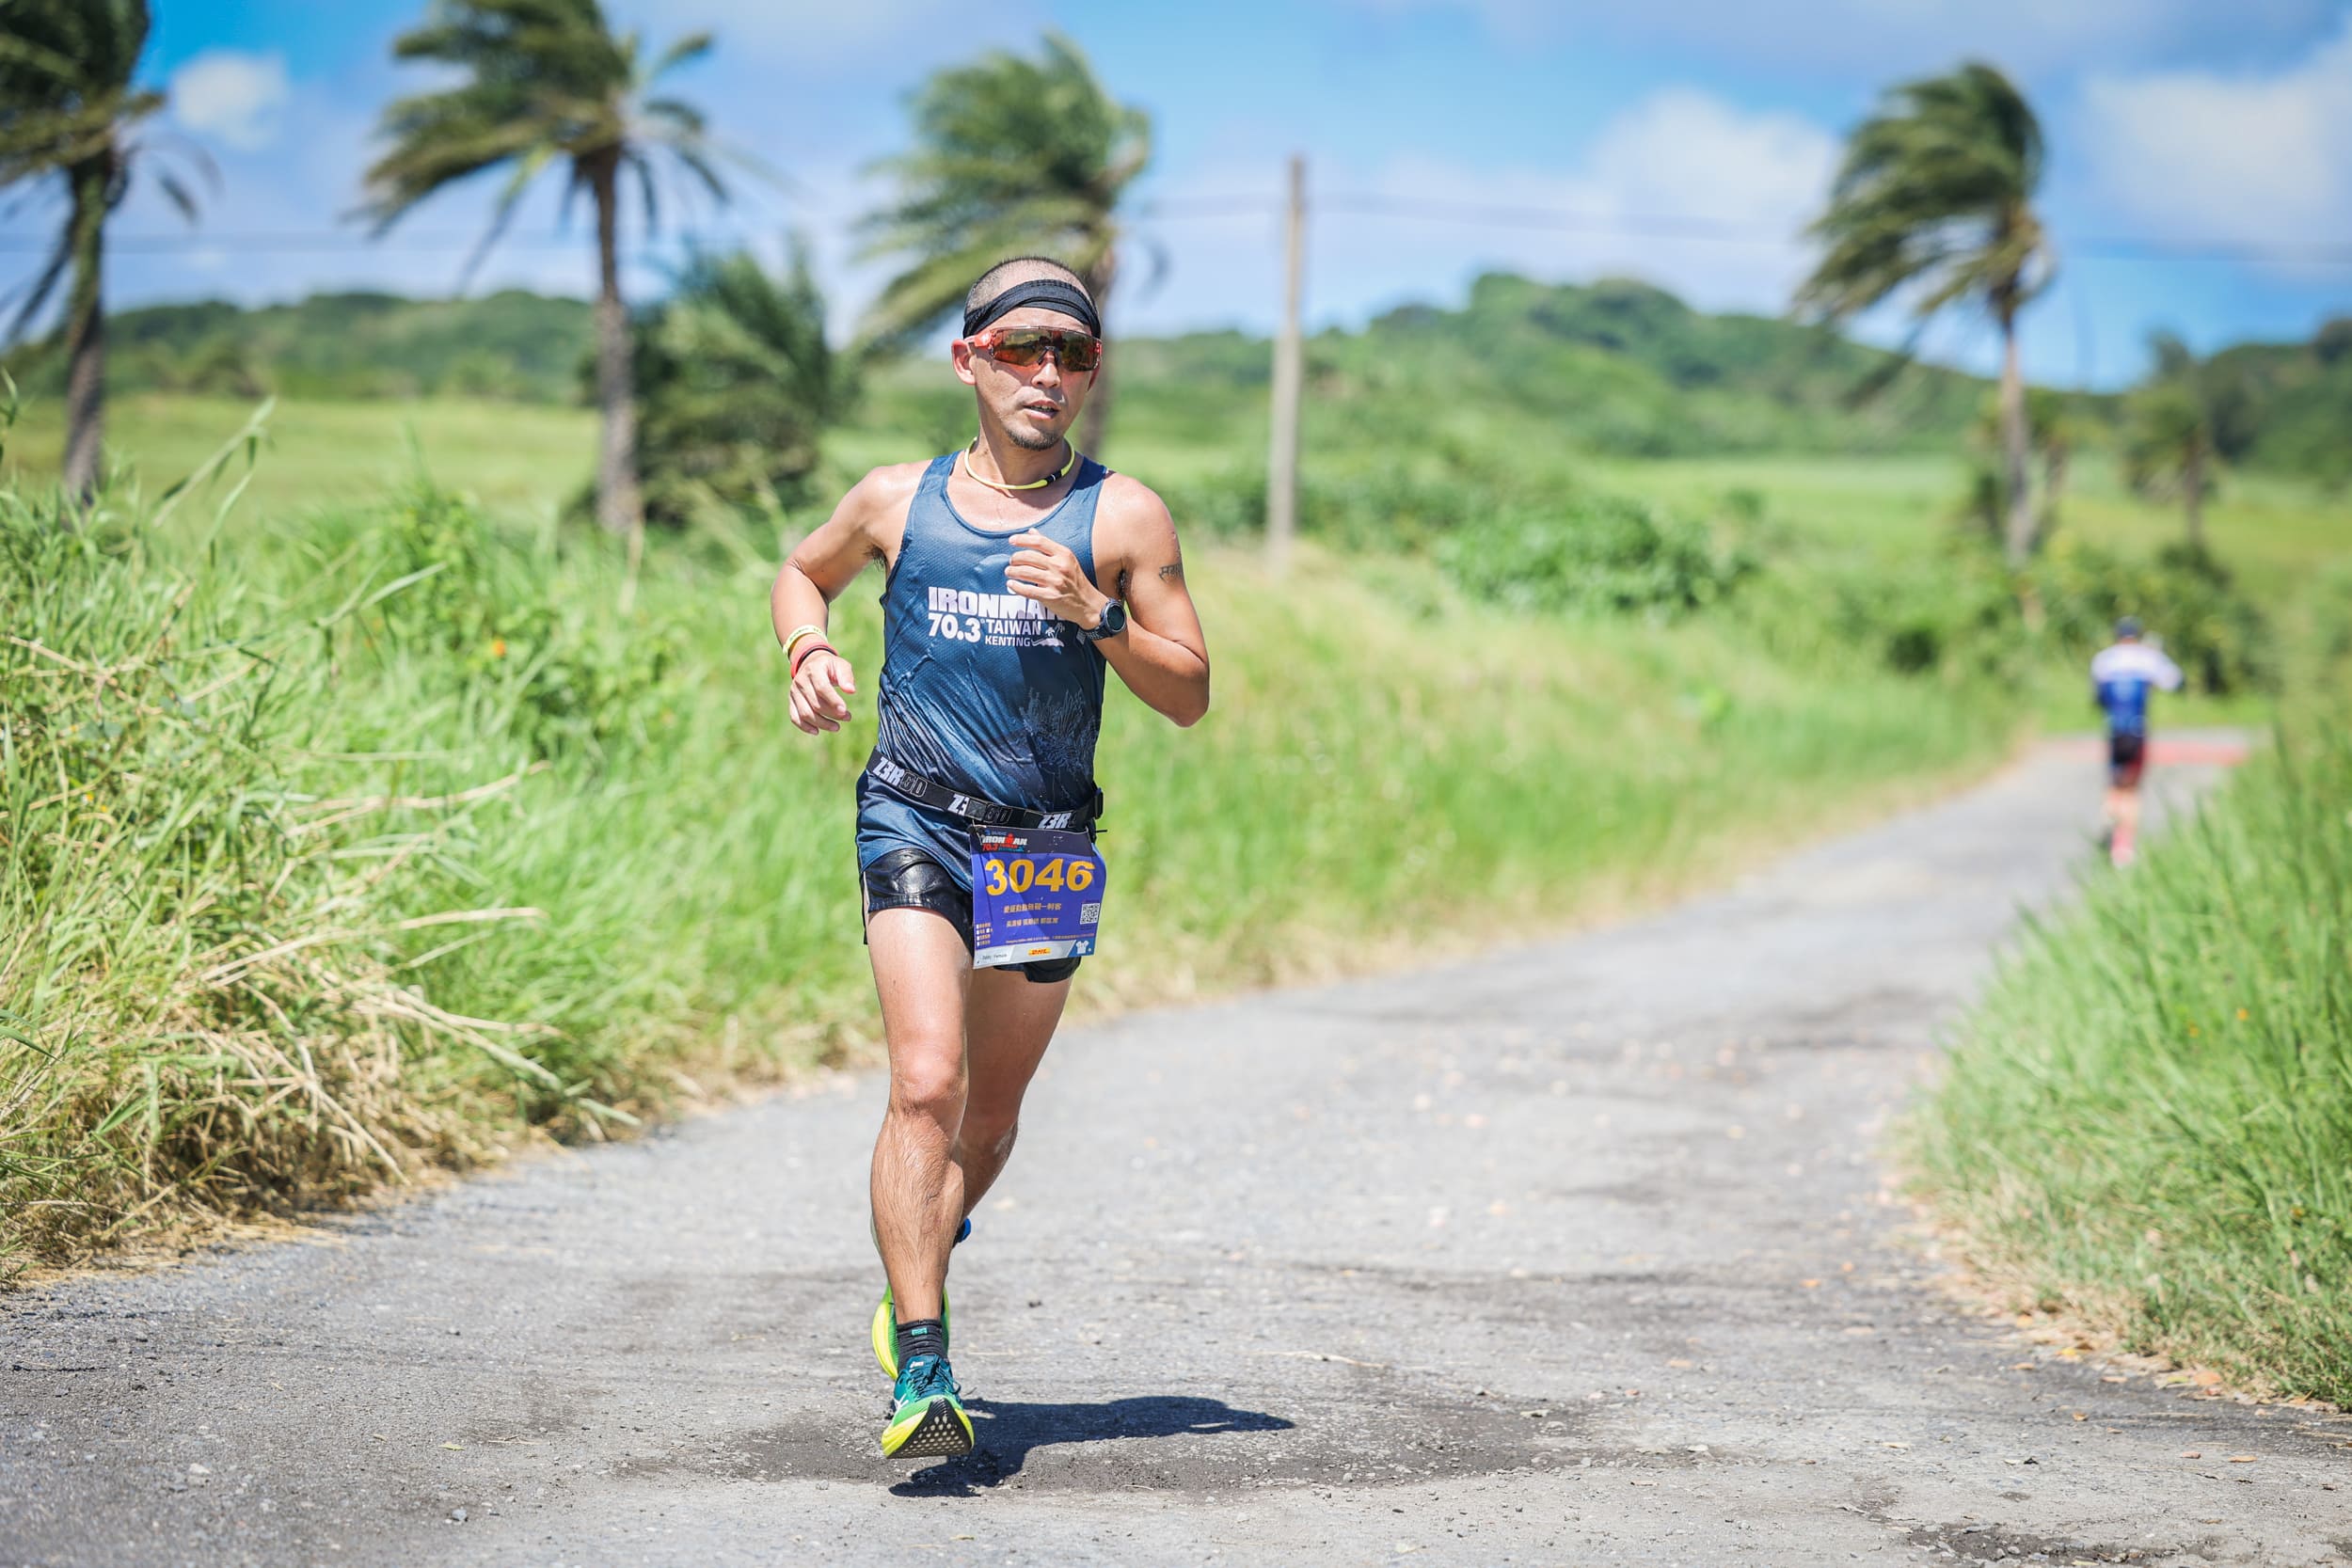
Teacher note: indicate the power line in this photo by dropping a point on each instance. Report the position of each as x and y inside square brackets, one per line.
[1712, 230]
[328, 242]
[1347, 204]
[1610, 225]
[2107, 248]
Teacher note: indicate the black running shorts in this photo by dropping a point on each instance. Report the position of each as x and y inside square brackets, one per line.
[911, 880]
[2126, 755]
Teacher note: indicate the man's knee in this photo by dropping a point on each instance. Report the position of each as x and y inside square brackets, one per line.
[928, 1079]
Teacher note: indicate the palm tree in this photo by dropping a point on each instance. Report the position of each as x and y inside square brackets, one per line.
[1012, 156]
[544, 80]
[739, 381]
[1936, 199]
[2051, 431]
[68, 108]
[2168, 434]
[2052, 424]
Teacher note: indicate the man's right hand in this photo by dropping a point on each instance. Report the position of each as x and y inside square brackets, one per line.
[816, 689]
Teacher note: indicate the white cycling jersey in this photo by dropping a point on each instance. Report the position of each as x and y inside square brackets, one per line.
[2121, 676]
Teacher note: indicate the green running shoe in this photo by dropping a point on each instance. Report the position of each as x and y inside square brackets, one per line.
[926, 1419]
[885, 1326]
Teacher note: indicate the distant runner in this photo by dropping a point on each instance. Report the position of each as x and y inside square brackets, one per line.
[2121, 676]
[1015, 570]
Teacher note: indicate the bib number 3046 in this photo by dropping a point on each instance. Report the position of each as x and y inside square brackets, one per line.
[1036, 893]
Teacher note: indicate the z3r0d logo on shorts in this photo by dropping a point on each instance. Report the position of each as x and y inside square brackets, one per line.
[1036, 893]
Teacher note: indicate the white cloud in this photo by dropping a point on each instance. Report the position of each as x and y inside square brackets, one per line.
[232, 96]
[1679, 162]
[1681, 151]
[2203, 154]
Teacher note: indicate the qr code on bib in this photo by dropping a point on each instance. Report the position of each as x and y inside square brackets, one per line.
[1090, 914]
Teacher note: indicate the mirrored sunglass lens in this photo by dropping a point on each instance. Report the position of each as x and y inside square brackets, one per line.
[1074, 350]
[1021, 348]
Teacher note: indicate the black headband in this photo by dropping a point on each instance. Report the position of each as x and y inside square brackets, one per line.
[1051, 293]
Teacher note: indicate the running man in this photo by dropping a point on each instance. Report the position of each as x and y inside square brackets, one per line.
[1015, 570]
[2122, 676]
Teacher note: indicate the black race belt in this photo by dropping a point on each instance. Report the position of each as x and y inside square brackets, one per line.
[972, 808]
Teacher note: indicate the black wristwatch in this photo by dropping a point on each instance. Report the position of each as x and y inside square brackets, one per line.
[1114, 621]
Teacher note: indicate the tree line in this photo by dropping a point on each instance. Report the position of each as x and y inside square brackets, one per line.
[1933, 208]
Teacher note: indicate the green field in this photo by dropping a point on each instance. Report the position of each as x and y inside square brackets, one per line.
[525, 459]
[521, 460]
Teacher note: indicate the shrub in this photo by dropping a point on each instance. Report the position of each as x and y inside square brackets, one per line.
[736, 382]
[1387, 507]
[2183, 595]
[1594, 555]
[436, 577]
[1957, 611]
[1949, 611]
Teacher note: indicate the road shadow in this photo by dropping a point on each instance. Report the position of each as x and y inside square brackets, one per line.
[1008, 1431]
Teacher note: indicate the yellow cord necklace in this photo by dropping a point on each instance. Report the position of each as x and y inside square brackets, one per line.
[1060, 473]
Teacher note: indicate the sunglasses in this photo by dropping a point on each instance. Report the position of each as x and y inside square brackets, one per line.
[1027, 346]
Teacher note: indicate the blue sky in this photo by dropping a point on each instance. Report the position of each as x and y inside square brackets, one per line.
[2171, 121]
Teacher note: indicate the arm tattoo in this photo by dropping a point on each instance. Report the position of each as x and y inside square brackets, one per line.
[1172, 572]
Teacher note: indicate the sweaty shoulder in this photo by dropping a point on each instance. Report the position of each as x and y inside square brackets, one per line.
[885, 491]
[1130, 515]
[876, 505]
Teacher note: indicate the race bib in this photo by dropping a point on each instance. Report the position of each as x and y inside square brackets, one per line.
[1036, 893]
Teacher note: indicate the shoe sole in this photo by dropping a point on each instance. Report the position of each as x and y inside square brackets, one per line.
[942, 1431]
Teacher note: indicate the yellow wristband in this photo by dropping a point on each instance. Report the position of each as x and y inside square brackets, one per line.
[794, 640]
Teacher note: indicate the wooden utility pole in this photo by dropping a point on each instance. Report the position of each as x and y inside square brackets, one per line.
[1281, 488]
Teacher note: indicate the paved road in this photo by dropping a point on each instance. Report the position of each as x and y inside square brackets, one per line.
[1574, 1255]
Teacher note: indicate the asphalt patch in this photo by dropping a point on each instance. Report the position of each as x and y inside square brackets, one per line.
[1984, 1543]
[1377, 1430]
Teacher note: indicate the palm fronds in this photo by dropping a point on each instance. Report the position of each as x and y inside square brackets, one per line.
[542, 81]
[1012, 154]
[1936, 192]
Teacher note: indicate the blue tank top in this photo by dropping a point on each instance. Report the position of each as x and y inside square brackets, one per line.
[982, 691]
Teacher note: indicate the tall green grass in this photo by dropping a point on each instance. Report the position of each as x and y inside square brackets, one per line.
[353, 843]
[2150, 1115]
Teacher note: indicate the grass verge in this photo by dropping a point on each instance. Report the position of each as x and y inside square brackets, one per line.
[2146, 1123]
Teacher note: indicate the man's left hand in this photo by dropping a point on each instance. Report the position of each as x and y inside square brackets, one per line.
[1049, 573]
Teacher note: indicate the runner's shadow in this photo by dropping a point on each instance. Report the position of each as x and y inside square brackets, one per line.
[1007, 1432]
